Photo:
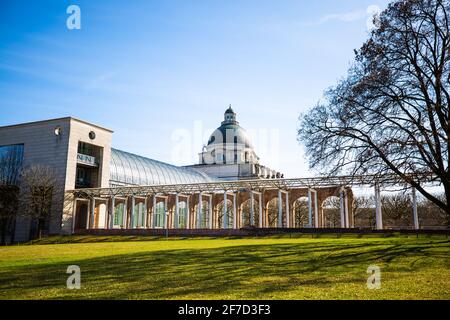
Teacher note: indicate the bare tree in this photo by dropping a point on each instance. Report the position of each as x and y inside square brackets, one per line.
[331, 212]
[9, 195]
[397, 209]
[364, 211]
[301, 212]
[38, 185]
[390, 115]
[10, 165]
[431, 215]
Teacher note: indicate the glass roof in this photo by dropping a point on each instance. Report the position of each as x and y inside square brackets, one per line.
[130, 169]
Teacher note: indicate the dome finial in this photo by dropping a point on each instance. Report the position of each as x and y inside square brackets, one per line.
[229, 110]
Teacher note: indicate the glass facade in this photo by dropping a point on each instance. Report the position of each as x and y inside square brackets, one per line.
[118, 214]
[159, 215]
[182, 214]
[11, 161]
[130, 169]
[139, 215]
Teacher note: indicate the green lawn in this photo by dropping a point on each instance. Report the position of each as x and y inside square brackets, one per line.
[263, 268]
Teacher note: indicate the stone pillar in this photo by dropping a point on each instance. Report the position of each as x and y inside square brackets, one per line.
[260, 211]
[210, 220]
[188, 213]
[133, 202]
[112, 212]
[342, 207]
[234, 211]
[92, 219]
[154, 212]
[378, 211]
[225, 216]
[316, 210]
[252, 210]
[177, 212]
[347, 223]
[124, 213]
[199, 210]
[166, 213]
[288, 216]
[415, 213]
[280, 209]
[309, 208]
[145, 224]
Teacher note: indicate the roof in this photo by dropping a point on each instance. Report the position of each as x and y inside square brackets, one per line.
[130, 169]
[230, 133]
[54, 120]
[230, 110]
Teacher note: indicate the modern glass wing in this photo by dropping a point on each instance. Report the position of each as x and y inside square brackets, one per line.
[130, 169]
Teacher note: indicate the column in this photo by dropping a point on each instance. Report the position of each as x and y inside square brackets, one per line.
[260, 211]
[342, 208]
[166, 213]
[88, 214]
[234, 211]
[309, 209]
[145, 225]
[177, 212]
[188, 213]
[92, 219]
[280, 209]
[347, 224]
[199, 211]
[112, 213]
[133, 203]
[378, 212]
[74, 212]
[210, 220]
[154, 212]
[124, 213]
[252, 210]
[225, 216]
[288, 216]
[414, 205]
[316, 210]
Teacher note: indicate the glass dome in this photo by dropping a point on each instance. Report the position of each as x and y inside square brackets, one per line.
[130, 169]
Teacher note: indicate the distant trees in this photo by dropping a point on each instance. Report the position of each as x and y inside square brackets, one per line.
[301, 213]
[332, 212]
[364, 211]
[397, 211]
[390, 114]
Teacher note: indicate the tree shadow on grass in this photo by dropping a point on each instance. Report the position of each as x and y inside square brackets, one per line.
[249, 271]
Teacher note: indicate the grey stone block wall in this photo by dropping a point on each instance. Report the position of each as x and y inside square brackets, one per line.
[43, 147]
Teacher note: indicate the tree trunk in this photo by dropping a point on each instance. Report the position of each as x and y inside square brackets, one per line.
[3, 228]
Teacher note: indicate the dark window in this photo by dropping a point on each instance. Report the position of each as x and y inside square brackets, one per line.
[85, 148]
[83, 178]
[11, 159]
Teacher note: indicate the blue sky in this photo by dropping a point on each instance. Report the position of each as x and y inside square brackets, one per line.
[151, 70]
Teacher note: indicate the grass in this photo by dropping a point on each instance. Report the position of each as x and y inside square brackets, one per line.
[251, 268]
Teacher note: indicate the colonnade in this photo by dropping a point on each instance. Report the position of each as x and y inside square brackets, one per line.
[208, 210]
[220, 210]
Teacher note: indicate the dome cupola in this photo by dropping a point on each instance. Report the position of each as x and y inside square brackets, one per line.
[229, 143]
[229, 116]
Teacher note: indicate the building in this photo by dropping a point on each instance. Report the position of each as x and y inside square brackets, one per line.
[229, 154]
[99, 187]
